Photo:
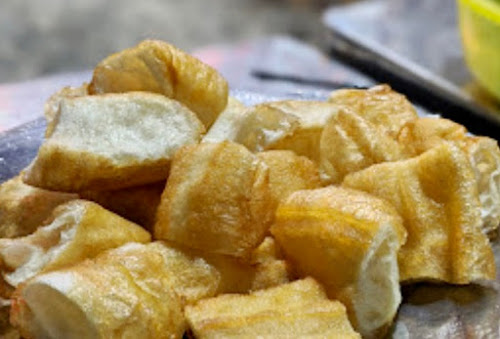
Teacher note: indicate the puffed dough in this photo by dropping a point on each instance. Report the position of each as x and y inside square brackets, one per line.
[436, 194]
[297, 309]
[77, 230]
[351, 142]
[380, 105]
[24, 208]
[347, 240]
[216, 200]
[137, 204]
[423, 134]
[285, 125]
[128, 295]
[112, 141]
[158, 67]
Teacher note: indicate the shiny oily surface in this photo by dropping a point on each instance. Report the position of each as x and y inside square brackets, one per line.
[431, 311]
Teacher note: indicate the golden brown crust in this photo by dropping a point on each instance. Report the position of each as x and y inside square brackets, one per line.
[108, 297]
[380, 105]
[51, 107]
[297, 309]
[112, 141]
[339, 237]
[156, 66]
[483, 153]
[286, 125]
[436, 194]
[24, 208]
[216, 200]
[137, 204]
[351, 142]
[76, 230]
[288, 172]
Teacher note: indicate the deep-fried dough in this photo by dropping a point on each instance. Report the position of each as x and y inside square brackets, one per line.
[288, 172]
[347, 240]
[77, 230]
[423, 134]
[297, 309]
[216, 200]
[137, 204]
[24, 208]
[351, 142]
[112, 141]
[158, 67]
[436, 194]
[380, 105]
[52, 105]
[286, 125]
[125, 296]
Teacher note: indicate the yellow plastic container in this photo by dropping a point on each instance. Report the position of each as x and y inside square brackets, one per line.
[480, 27]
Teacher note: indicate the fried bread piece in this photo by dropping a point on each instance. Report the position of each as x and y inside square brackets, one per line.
[191, 276]
[347, 240]
[77, 230]
[436, 194]
[286, 125]
[52, 104]
[379, 105]
[125, 295]
[423, 134]
[216, 200]
[265, 267]
[351, 142]
[270, 267]
[297, 309]
[158, 67]
[288, 172]
[484, 155]
[228, 122]
[112, 141]
[24, 208]
[137, 204]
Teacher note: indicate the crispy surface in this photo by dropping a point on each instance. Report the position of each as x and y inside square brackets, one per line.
[351, 142]
[77, 230]
[216, 200]
[156, 66]
[125, 296]
[191, 276]
[297, 309]
[52, 104]
[422, 134]
[436, 194]
[483, 153]
[112, 141]
[137, 204]
[288, 172]
[380, 105]
[24, 208]
[286, 125]
[228, 122]
[270, 268]
[348, 241]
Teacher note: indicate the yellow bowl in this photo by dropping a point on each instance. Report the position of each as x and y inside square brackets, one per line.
[480, 27]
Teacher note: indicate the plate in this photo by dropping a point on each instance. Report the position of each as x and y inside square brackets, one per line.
[427, 311]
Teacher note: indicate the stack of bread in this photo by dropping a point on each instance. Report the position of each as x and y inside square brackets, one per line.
[159, 206]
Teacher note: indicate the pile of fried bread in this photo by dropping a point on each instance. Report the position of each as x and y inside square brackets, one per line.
[159, 206]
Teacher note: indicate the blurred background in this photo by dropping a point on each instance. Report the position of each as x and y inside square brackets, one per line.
[39, 37]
